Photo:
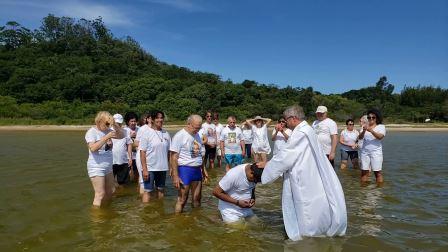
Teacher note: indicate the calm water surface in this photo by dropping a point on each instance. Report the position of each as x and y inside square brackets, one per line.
[46, 204]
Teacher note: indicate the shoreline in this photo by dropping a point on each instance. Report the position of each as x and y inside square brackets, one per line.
[389, 127]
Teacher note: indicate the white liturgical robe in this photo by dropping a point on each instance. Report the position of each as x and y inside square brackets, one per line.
[313, 202]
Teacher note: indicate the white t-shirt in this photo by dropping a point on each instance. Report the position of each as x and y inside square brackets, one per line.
[280, 140]
[101, 158]
[156, 145]
[120, 150]
[261, 141]
[324, 129]
[188, 147]
[128, 133]
[248, 135]
[219, 129]
[143, 131]
[236, 185]
[349, 137]
[232, 140]
[371, 143]
[209, 131]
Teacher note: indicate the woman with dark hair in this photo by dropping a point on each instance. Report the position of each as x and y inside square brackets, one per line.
[372, 149]
[153, 151]
[280, 135]
[131, 120]
[349, 145]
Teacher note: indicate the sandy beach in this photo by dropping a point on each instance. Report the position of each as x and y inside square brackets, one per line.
[390, 127]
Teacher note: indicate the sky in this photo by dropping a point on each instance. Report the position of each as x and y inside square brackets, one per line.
[332, 46]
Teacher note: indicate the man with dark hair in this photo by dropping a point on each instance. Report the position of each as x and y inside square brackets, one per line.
[236, 192]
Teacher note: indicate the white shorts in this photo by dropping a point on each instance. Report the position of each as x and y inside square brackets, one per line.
[233, 215]
[371, 161]
[98, 172]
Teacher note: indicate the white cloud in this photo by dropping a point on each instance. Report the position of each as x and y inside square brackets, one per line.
[186, 5]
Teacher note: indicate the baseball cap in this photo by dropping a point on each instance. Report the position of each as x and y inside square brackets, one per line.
[321, 109]
[118, 118]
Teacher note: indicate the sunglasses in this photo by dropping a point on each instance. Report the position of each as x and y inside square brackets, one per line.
[282, 121]
[371, 117]
[350, 124]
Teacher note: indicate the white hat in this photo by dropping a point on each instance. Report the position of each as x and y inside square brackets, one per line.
[118, 118]
[321, 109]
[258, 118]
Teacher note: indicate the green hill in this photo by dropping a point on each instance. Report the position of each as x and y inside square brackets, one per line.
[67, 70]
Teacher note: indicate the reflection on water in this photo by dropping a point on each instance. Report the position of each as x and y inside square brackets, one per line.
[46, 204]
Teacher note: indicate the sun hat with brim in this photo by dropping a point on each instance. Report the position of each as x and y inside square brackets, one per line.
[321, 109]
[258, 118]
[118, 118]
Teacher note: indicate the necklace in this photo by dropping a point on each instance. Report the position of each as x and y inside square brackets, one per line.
[161, 135]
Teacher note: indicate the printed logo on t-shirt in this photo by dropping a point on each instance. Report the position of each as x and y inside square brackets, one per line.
[231, 136]
[108, 146]
[195, 149]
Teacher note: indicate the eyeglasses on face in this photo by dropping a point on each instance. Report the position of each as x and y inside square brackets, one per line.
[350, 124]
[371, 117]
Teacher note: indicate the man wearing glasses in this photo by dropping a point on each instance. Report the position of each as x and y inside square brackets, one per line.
[313, 202]
[208, 133]
[327, 133]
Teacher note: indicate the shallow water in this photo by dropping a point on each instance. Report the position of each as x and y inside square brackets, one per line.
[46, 204]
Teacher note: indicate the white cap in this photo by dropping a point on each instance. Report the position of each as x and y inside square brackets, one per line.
[321, 109]
[118, 118]
[258, 118]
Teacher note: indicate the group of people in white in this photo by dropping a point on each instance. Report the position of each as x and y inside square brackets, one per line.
[312, 199]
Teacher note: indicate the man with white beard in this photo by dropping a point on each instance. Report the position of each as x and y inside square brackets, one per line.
[313, 202]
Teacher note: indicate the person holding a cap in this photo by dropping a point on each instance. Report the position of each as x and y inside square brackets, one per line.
[99, 165]
[236, 192]
[260, 144]
[122, 155]
[327, 133]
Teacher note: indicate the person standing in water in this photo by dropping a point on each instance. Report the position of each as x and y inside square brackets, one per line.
[372, 147]
[99, 165]
[154, 151]
[186, 163]
[260, 145]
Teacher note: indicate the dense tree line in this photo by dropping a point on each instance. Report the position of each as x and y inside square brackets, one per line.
[67, 70]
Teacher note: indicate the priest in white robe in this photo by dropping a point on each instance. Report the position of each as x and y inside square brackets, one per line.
[313, 202]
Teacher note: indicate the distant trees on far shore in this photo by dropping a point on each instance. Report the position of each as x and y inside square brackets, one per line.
[67, 70]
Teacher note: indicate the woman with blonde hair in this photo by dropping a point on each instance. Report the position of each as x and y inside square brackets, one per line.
[99, 164]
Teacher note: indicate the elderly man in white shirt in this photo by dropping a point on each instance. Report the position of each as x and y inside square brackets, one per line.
[313, 202]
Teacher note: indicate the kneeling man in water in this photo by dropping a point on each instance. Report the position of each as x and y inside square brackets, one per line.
[236, 192]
